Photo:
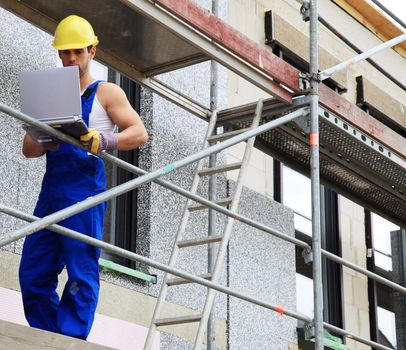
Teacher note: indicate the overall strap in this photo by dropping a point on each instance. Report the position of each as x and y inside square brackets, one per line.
[87, 100]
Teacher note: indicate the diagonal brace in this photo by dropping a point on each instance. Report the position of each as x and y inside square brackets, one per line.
[130, 185]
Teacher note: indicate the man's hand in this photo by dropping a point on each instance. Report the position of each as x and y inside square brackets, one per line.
[49, 143]
[97, 142]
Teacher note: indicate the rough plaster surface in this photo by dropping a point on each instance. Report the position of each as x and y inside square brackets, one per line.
[258, 267]
[22, 47]
[169, 341]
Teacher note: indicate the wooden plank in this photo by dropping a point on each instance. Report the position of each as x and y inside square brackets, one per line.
[356, 116]
[233, 40]
[17, 337]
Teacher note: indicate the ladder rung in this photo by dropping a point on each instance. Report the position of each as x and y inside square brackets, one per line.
[220, 169]
[199, 241]
[223, 201]
[178, 280]
[177, 320]
[226, 135]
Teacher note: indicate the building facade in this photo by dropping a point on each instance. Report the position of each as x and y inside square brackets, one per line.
[275, 194]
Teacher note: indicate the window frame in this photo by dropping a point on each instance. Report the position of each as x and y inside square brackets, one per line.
[123, 225]
[380, 295]
[332, 272]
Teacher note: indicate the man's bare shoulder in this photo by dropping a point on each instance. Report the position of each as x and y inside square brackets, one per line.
[106, 87]
[108, 93]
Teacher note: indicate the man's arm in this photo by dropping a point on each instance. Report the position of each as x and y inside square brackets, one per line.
[133, 133]
[32, 149]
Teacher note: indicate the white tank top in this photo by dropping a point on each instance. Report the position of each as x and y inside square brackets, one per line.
[98, 118]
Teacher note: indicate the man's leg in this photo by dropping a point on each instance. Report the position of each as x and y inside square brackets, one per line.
[39, 268]
[79, 300]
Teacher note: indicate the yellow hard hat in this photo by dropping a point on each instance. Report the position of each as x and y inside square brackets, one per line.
[74, 32]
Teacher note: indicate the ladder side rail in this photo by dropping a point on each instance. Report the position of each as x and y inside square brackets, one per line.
[179, 234]
[228, 229]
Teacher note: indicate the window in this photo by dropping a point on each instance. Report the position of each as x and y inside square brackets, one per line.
[304, 299]
[386, 257]
[121, 219]
[296, 194]
[121, 216]
[387, 326]
[381, 241]
[294, 190]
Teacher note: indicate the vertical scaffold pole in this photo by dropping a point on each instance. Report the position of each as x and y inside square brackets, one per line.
[315, 180]
[211, 254]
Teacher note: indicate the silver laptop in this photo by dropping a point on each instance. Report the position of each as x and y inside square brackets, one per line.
[53, 97]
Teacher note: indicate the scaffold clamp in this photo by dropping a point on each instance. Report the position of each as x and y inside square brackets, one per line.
[305, 11]
[305, 78]
[303, 123]
[304, 81]
[307, 255]
[309, 330]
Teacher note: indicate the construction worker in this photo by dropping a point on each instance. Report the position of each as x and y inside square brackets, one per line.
[71, 176]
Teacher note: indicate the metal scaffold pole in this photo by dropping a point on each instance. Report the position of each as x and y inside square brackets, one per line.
[315, 180]
[211, 254]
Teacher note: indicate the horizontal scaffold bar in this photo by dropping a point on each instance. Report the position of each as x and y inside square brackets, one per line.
[182, 274]
[155, 264]
[363, 56]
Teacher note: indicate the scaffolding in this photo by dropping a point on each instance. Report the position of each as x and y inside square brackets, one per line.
[285, 119]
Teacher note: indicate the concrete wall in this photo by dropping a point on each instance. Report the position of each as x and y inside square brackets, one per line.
[355, 284]
[22, 47]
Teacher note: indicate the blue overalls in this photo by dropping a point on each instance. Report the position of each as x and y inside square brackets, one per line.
[71, 176]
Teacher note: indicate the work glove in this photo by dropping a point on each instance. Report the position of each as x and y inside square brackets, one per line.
[97, 142]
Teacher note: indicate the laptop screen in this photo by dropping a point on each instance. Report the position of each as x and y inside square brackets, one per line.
[51, 94]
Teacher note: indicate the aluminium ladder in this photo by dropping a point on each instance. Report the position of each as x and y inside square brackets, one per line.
[180, 243]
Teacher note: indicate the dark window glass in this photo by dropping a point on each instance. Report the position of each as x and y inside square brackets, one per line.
[294, 191]
[121, 220]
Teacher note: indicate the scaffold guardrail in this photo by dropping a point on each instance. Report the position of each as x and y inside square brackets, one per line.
[155, 176]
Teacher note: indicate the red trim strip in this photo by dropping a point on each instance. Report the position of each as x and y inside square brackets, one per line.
[233, 40]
